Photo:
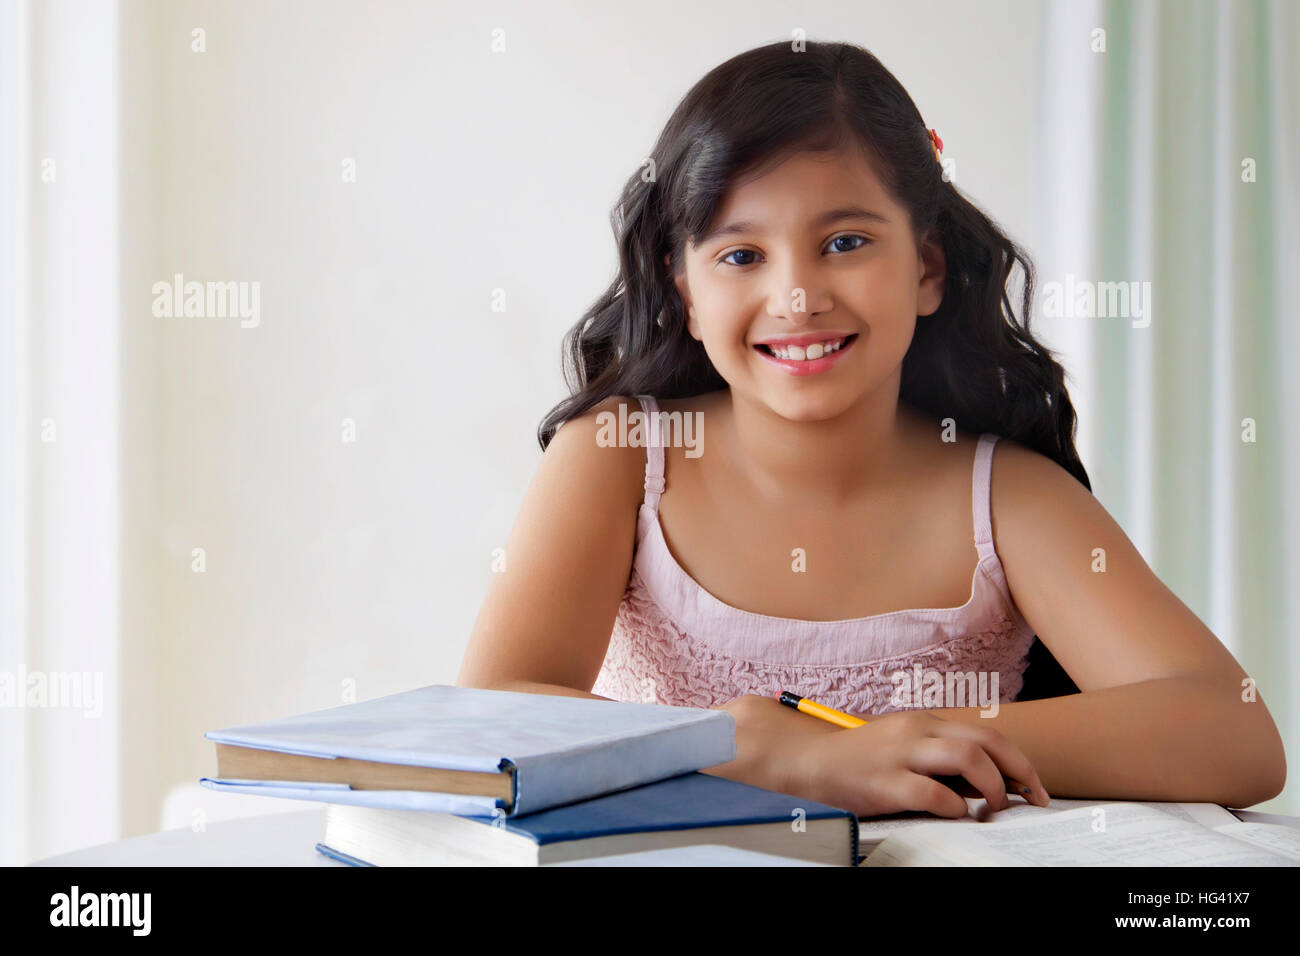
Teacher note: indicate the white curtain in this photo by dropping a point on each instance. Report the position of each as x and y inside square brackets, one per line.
[1169, 140]
[59, 436]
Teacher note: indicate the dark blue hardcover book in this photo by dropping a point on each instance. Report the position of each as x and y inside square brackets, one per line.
[692, 808]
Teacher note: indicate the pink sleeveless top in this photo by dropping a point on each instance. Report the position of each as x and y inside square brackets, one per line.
[675, 643]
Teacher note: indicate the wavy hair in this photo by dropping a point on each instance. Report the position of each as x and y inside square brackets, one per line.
[974, 360]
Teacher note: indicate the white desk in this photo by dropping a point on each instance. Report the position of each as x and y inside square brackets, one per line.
[272, 839]
[289, 839]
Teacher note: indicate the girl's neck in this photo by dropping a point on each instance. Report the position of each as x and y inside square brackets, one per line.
[822, 464]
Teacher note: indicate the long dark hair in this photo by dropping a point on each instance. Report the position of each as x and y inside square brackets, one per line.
[974, 360]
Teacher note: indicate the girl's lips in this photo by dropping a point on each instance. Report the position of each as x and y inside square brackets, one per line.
[808, 366]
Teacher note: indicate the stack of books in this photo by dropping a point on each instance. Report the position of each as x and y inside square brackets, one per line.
[454, 776]
[448, 775]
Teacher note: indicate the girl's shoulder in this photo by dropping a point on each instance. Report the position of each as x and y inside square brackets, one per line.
[594, 448]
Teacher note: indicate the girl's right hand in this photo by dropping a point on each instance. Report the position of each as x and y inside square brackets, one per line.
[889, 765]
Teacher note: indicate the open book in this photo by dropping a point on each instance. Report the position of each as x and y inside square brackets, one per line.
[1081, 833]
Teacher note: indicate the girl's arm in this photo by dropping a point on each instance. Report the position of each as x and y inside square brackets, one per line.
[1165, 711]
[545, 623]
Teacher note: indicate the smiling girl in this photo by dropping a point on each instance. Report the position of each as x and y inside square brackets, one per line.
[888, 486]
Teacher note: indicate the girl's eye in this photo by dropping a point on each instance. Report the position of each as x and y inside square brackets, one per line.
[862, 240]
[738, 252]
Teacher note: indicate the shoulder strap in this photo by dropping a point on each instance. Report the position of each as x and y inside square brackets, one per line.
[981, 490]
[654, 468]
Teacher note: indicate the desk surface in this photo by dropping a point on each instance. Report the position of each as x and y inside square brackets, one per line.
[289, 839]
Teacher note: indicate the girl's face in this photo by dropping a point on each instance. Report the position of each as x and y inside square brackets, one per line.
[815, 245]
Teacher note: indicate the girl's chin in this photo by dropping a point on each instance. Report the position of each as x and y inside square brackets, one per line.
[808, 404]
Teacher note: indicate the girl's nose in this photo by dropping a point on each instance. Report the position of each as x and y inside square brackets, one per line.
[798, 304]
[798, 289]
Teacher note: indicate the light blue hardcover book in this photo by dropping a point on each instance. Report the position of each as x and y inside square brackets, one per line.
[554, 749]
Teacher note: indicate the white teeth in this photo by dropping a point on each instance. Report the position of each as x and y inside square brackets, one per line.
[814, 351]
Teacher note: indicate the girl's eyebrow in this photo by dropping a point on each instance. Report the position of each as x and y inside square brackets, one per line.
[824, 219]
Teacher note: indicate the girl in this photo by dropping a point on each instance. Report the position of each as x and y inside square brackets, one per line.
[798, 276]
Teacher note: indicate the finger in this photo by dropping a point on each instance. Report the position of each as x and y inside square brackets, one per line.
[916, 791]
[964, 757]
[959, 784]
[966, 790]
[1010, 759]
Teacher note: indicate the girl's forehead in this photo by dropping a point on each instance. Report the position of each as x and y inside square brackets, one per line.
[837, 169]
[803, 181]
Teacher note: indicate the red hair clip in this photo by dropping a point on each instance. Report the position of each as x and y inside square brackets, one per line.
[937, 143]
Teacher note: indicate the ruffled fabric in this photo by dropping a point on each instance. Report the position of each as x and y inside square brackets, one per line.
[652, 660]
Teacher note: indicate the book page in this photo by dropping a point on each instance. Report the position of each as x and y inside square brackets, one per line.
[1117, 834]
[1271, 836]
[873, 831]
[1206, 814]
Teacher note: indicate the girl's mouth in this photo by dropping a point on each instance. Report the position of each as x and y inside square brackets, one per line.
[797, 361]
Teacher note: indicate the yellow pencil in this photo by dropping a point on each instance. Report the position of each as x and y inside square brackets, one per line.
[848, 721]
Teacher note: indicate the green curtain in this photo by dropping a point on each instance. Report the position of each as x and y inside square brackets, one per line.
[1188, 93]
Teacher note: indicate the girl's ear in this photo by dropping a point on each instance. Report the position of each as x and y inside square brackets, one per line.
[933, 269]
[679, 281]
